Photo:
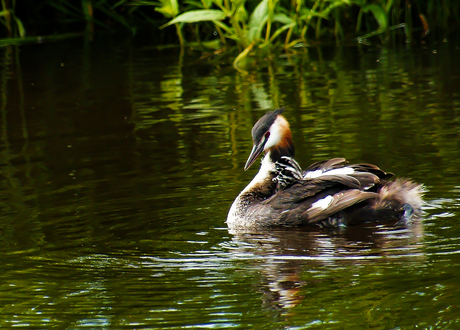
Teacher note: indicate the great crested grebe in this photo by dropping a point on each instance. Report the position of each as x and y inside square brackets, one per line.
[330, 193]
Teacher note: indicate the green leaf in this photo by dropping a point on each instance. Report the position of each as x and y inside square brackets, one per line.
[206, 3]
[257, 20]
[240, 15]
[379, 14]
[196, 4]
[306, 14]
[217, 2]
[282, 18]
[259, 14]
[169, 8]
[198, 16]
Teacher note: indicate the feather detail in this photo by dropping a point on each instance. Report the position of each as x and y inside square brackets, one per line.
[327, 165]
[400, 191]
[340, 201]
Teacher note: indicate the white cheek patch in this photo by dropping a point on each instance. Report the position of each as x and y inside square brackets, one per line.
[337, 171]
[274, 138]
[323, 203]
[276, 132]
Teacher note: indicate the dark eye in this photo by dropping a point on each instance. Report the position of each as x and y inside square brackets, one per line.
[267, 135]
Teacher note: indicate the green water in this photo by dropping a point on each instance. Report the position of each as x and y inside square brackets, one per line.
[118, 163]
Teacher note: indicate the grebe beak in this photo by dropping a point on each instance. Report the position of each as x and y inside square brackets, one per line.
[256, 150]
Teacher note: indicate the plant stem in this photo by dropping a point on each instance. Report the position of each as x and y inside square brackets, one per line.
[307, 21]
[288, 37]
[243, 54]
[221, 35]
[267, 35]
[179, 34]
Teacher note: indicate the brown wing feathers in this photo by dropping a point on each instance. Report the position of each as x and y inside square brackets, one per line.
[340, 201]
[297, 202]
[327, 165]
[335, 163]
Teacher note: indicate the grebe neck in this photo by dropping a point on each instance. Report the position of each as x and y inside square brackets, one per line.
[260, 188]
[264, 176]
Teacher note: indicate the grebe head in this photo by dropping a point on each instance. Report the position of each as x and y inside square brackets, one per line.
[271, 133]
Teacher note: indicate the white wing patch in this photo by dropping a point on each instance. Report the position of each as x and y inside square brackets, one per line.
[313, 174]
[337, 171]
[323, 203]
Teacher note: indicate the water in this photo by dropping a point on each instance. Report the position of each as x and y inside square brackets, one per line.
[119, 162]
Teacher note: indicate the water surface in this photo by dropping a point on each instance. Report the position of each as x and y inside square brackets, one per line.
[119, 162]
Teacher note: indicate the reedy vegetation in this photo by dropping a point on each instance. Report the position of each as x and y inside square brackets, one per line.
[249, 24]
[273, 23]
